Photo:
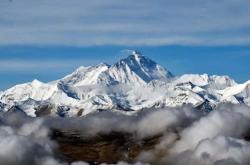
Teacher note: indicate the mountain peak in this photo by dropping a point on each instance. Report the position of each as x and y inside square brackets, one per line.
[103, 64]
[136, 57]
[136, 54]
[137, 67]
[36, 82]
[133, 55]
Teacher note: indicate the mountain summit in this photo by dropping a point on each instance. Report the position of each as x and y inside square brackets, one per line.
[135, 69]
[129, 85]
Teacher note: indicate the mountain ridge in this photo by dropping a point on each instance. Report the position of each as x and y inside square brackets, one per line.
[129, 85]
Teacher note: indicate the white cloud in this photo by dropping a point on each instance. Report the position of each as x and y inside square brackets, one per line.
[24, 65]
[227, 120]
[117, 22]
[189, 138]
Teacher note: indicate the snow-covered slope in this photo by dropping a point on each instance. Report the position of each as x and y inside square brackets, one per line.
[204, 80]
[86, 76]
[137, 68]
[35, 90]
[129, 85]
[237, 94]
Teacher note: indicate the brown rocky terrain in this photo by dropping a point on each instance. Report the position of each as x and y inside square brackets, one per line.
[109, 148]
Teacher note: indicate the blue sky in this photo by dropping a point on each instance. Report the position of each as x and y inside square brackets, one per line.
[47, 39]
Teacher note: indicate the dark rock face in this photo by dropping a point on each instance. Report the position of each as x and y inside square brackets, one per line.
[2, 106]
[43, 110]
[15, 109]
[109, 148]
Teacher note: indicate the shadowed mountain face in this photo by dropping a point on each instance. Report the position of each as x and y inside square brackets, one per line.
[144, 68]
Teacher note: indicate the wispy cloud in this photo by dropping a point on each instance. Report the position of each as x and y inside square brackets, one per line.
[117, 22]
[26, 65]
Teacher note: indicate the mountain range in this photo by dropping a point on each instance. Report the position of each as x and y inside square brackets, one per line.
[130, 85]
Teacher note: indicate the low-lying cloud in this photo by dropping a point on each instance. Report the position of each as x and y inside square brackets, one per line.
[25, 144]
[143, 124]
[187, 135]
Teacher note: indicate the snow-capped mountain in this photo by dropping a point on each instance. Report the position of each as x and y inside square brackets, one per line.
[138, 69]
[135, 69]
[129, 85]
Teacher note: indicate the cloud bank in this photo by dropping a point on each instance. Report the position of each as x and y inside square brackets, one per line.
[188, 136]
[117, 22]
